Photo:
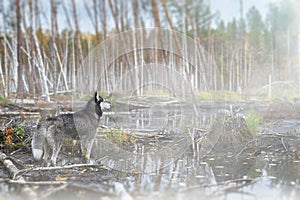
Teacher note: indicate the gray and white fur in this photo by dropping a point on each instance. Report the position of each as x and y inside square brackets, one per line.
[50, 133]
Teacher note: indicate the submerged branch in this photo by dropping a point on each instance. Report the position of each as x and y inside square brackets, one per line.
[237, 183]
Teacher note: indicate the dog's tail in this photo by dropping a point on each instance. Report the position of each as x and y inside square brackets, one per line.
[37, 143]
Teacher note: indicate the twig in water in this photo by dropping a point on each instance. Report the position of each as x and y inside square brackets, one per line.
[246, 147]
[244, 182]
[283, 144]
[32, 169]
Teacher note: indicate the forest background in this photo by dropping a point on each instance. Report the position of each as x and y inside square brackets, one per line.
[244, 54]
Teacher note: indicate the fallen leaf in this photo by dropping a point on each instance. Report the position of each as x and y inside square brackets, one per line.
[58, 178]
[36, 187]
[83, 171]
[293, 149]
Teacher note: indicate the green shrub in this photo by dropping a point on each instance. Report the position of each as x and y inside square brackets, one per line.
[253, 120]
[219, 96]
[120, 137]
[3, 100]
[13, 136]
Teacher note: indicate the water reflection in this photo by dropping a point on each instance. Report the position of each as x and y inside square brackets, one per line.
[188, 177]
[182, 173]
[148, 133]
[195, 174]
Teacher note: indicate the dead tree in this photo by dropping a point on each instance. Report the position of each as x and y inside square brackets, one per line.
[53, 38]
[77, 35]
[103, 8]
[114, 11]
[19, 54]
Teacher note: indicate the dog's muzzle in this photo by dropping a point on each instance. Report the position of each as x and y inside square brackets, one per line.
[105, 106]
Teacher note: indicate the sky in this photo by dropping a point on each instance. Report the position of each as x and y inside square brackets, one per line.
[228, 9]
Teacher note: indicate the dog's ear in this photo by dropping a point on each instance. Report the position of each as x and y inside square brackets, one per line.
[98, 99]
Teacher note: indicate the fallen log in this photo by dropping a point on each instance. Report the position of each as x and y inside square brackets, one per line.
[15, 177]
[9, 165]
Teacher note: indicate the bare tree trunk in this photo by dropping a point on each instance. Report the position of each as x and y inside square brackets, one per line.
[288, 53]
[2, 89]
[73, 69]
[96, 20]
[19, 55]
[5, 78]
[240, 63]
[93, 17]
[194, 27]
[222, 65]
[299, 48]
[104, 19]
[53, 38]
[156, 24]
[77, 32]
[27, 67]
[164, 4]
[30, 74]
[122, 15]
[41, 68]
[246, 62]
[135, 6]
[155, 13]
[34, 51]
[114, 11]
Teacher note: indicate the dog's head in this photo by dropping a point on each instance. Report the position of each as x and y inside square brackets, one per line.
[101, 103]
[98, 98]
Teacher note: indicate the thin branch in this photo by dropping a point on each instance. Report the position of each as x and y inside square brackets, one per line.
[34, 169]
[23, 182]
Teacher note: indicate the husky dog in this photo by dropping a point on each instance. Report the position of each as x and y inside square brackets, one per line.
[81, 125]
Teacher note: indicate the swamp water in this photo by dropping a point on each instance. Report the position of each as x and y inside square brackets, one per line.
[181, 165]
[150, 157]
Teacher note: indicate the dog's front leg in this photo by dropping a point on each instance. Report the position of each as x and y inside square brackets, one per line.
[83, 151]
[86, 148]
[46, 150]
[56, 149]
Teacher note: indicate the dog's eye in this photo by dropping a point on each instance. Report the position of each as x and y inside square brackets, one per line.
[99, 99]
